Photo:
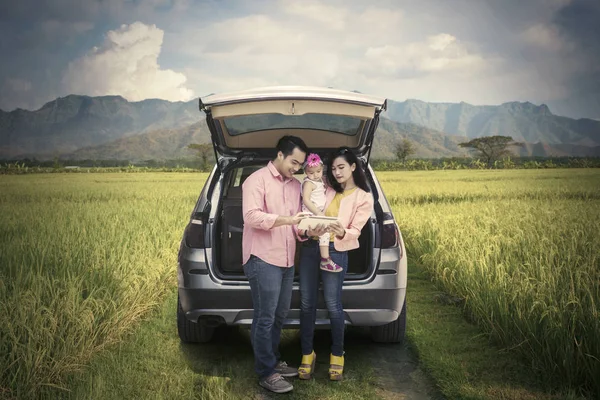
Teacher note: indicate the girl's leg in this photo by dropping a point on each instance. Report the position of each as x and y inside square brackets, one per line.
[324, 251]
[327, 264]
[324, 246]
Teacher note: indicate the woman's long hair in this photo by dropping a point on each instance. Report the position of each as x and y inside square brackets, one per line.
[360, 179]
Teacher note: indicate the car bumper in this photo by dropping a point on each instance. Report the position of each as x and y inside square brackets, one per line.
[375, 301]
[362, 307]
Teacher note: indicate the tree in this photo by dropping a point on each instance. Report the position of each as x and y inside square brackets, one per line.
[404, 149]
[491, 148]
[204, 151]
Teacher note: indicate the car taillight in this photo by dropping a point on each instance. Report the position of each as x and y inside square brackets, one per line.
[389, 232]
[194, 233]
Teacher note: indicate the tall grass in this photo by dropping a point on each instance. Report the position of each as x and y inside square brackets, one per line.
[523, 249]
[82, 258]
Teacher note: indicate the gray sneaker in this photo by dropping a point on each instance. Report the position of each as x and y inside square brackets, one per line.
[276, 383]
[284, 370]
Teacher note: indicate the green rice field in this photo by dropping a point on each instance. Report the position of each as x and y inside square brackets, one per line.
[522, 248]
[84, 257]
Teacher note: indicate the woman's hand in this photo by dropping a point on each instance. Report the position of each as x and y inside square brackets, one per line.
[317, 230]
[337, 229]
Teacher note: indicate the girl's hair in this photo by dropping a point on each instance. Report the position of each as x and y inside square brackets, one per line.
[360, 179]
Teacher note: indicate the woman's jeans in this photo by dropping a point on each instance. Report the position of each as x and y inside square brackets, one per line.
[310, 272]
[271, 288]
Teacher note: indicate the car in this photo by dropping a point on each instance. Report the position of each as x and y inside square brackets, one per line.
[245, 126]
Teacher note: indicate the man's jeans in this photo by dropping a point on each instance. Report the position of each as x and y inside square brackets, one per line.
[310, 258]
[271, 297]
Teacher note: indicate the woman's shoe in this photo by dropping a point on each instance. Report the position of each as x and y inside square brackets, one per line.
[336, 367]
[307, 366]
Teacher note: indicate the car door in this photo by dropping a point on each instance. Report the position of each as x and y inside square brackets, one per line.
[248, 124]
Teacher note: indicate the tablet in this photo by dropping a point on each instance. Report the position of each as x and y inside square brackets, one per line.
[314, 220]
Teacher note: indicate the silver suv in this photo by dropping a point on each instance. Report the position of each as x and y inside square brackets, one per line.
[245, 127]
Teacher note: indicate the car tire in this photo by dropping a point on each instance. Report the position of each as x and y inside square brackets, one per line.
[192, 332]
[393, 332]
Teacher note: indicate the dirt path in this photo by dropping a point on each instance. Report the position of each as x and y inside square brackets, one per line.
[396, 368]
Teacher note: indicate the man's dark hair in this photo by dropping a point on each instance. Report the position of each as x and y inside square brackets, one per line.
[288, 143]
[360, 179]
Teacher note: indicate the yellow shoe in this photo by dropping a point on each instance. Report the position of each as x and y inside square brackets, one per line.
[336, 367]
[307, 366]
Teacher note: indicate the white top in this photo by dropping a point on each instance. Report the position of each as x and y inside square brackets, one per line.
[317, 196]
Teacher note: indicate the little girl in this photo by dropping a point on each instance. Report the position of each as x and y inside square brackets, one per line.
[313, 201]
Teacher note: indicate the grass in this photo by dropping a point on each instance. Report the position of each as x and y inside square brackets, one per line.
[85, 257]
[154, 364]
[521, 250]
[464, 363]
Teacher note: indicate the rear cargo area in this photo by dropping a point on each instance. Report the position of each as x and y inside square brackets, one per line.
[229, 228]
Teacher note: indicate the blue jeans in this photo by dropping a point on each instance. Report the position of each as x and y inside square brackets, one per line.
[310, 258]
[271, 288]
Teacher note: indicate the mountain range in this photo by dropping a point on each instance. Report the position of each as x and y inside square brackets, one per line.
[110, 127]
[524, 122]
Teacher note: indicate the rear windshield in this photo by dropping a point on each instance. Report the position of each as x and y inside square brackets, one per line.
[259, 122]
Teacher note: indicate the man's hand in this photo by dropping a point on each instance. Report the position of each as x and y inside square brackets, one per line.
[290, 220]
[295, 219]
[317, 230]
[337, 229]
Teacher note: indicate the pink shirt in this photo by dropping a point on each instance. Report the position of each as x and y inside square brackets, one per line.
[355, 210]
[266, 194]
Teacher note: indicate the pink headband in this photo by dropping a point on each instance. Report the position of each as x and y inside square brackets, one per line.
[313, 160]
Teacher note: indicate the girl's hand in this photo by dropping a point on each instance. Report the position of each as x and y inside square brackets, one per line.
[337, 229]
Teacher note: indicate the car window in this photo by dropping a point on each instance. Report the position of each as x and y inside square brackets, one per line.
[343, 124]
[240, 175]
[237, 178]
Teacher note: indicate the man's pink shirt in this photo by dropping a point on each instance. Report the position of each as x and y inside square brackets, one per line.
[266, 194]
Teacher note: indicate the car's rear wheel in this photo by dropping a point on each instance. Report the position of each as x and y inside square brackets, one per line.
[393, 332]
[192, 332]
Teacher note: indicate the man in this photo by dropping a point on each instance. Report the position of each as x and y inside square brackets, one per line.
[271, 207]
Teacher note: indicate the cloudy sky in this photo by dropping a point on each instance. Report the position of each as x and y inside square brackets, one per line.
[477, 51]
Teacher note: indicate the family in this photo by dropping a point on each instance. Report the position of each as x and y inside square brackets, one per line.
[274, 202]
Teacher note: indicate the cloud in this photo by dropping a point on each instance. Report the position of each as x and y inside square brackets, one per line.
[126, 64]
[327, 15]
[442, 52]
[18, 85]
[484, 52]
[296, 47]
[578, 23]
[56, 28]
[543, 36]
[18, 91]
[381, 51]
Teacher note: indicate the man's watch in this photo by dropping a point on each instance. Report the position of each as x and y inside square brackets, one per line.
[304, 235]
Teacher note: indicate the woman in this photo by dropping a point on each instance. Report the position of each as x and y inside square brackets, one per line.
[349, 199]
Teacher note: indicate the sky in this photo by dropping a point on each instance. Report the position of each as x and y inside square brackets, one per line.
[476, 51]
